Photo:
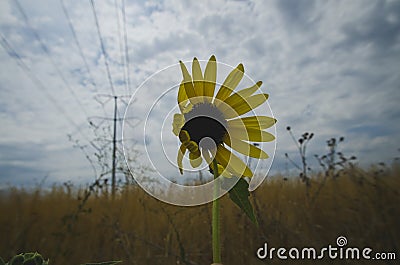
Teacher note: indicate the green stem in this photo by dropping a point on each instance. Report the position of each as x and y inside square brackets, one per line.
[216, 243]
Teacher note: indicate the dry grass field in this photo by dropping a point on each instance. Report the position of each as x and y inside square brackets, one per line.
[361, 205]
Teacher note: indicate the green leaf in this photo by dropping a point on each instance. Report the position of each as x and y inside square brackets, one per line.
[17, 260]
[2, 261]
[104, 263]
[239, 194]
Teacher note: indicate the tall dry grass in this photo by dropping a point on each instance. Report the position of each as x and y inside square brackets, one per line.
[361, 205]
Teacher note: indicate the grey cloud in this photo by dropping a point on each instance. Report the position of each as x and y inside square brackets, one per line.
[175, 41]
[379, 27]
[297, 13]
[22, 163]
[28, 152]
[371, 130]
[21, 175]
[317, 67]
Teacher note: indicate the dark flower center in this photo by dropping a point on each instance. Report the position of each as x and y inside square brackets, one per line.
[205, 120]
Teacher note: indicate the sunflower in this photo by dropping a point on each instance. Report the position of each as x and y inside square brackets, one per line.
[210, 127]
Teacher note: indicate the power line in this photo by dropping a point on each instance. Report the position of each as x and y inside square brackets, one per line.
[46, 51]
[126, 46]
[120, 45]
[116, 118]
[108, 98]
[114, 164]
[103, 50]
[39, 84]
[77, 43]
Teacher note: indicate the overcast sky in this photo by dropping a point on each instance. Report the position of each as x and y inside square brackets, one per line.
[330, 67]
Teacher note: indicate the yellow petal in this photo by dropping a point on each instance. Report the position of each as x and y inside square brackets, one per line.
[221, 170]
[260, 122]
[224, 173]
[210, 78]
[231, 162]
[247, 92]
[245, 148]
[181, 153]
[243, 105]
[197, 78]
[250, 134]
[242, 94]
[186, 108]
[187, 82]
[183, 100]
[182, 94]
[177, 124]
[192, 146]
[184, 136]
[230, 83]
[252, 102]
[195, 160]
